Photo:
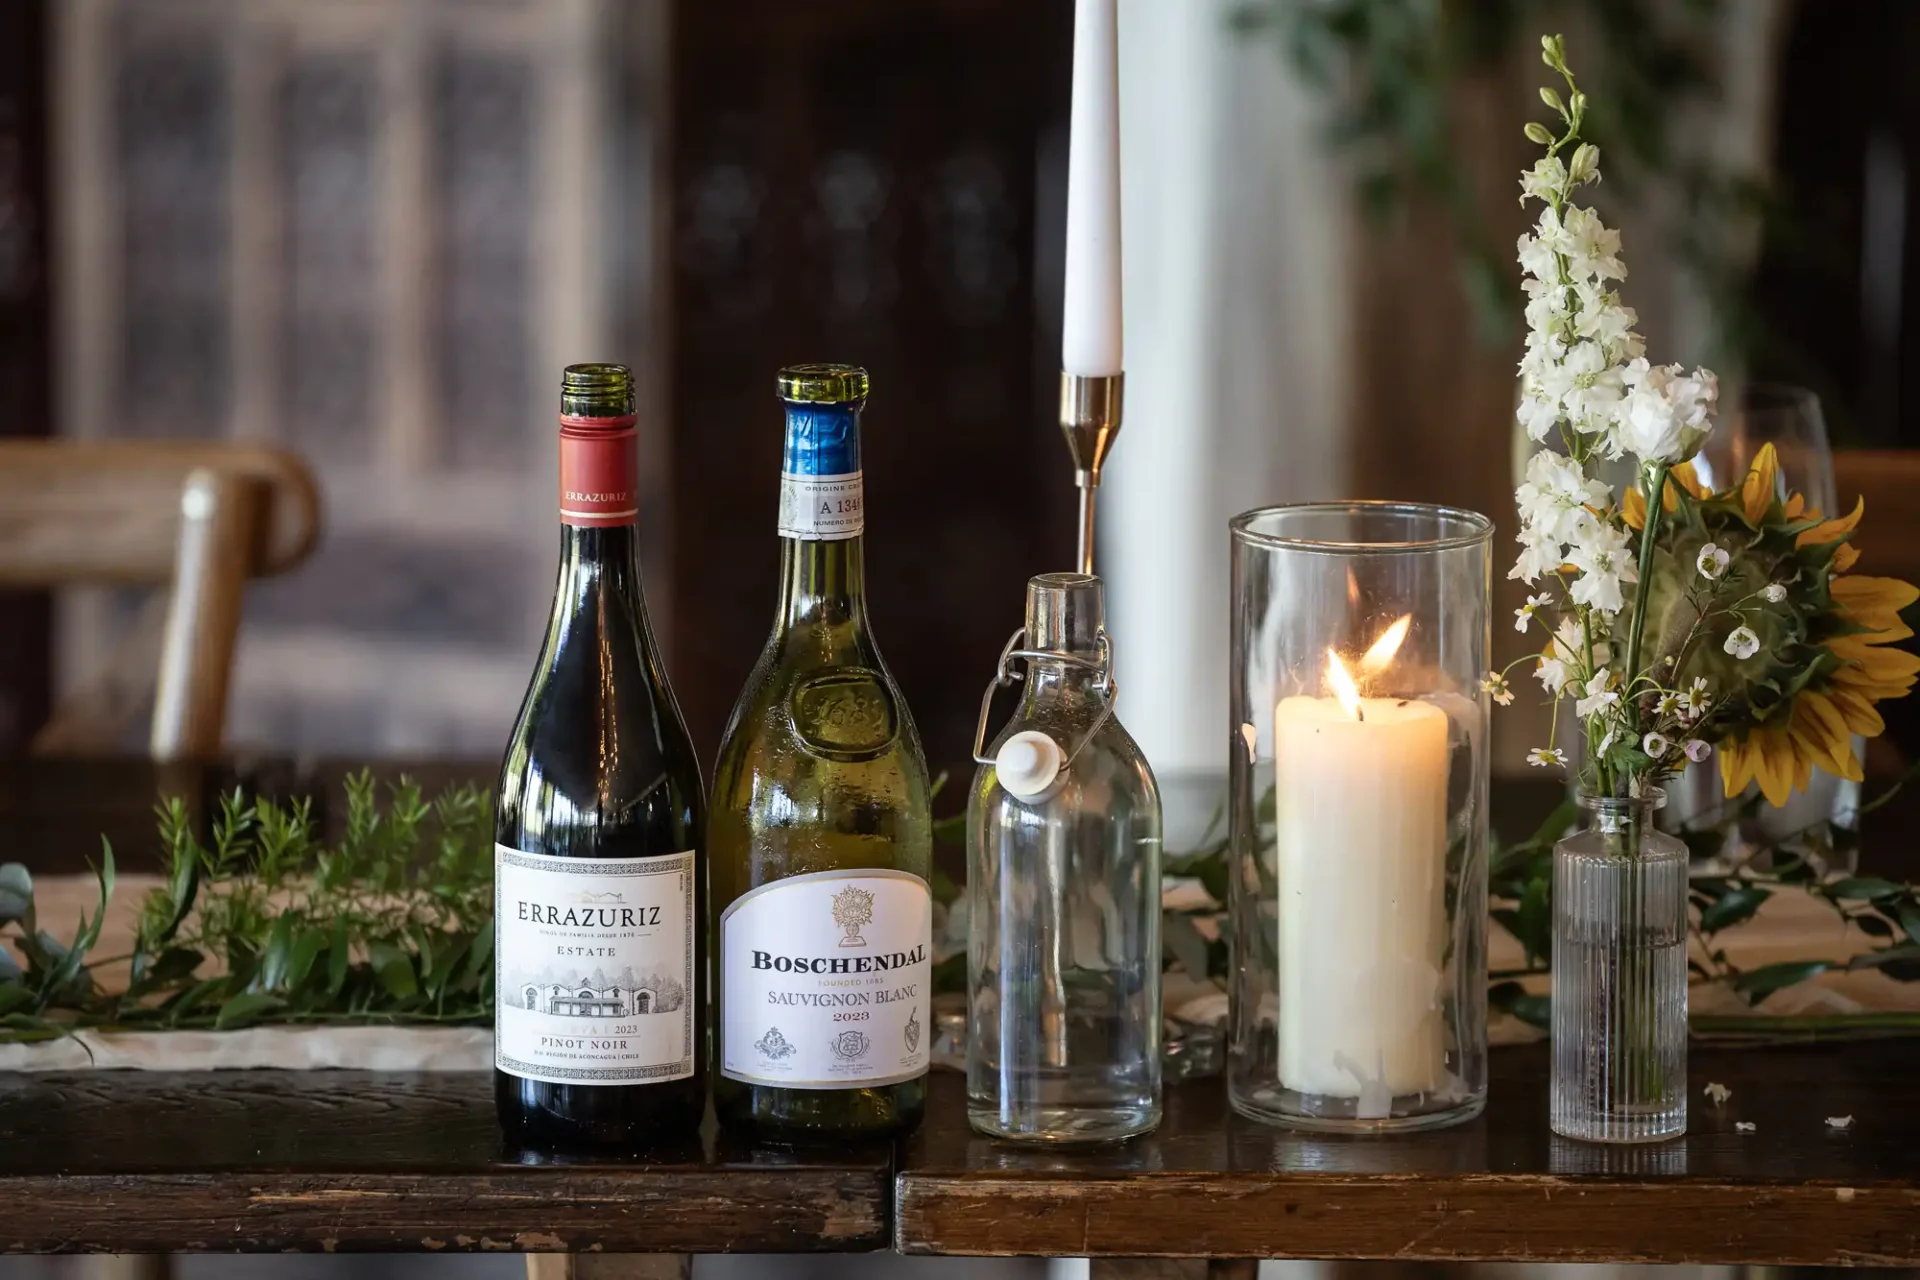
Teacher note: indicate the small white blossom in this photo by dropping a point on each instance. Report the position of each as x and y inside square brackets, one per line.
[1839, 1122]
[1597, 696]
[1605, 562]
[1744, 1126]
[1712, 562]
[1655, 745]
[1773, 593]
[1668, 705]
[1742, 643]
[1496, 686]
[1695, 701]
[1524, 614]
[1717, 1093]
[1544, 756]
[1697, 750]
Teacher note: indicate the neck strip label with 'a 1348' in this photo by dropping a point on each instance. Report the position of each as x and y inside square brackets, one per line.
[821, 508]
[827, 981]
[594, 965]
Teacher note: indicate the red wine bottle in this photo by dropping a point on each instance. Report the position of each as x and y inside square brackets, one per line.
[599, 869]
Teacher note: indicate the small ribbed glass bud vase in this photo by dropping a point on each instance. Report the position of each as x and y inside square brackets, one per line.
[1620, 976]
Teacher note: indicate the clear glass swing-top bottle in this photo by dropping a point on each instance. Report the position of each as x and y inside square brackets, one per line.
[1063, 956]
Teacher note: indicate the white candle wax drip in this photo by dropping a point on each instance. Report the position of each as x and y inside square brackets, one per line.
[1361, 821]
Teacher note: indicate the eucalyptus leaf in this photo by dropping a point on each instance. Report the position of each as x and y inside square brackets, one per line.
[1757, 984]
[1735, 906]
[16, 892]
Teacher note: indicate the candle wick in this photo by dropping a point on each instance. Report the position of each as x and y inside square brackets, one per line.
[1360, 713]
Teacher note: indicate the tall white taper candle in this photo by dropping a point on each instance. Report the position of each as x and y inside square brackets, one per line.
[1090, 337]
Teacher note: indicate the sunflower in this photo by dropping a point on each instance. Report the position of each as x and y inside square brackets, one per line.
[1828, 637]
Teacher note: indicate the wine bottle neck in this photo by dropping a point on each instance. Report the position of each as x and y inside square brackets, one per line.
[598, 564]
[823, 583]
[822, 514]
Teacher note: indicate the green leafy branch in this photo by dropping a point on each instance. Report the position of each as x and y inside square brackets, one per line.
[263, 924]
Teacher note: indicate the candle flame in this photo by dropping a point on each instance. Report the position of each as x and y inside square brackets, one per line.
[1344, 691]
[1375, 659]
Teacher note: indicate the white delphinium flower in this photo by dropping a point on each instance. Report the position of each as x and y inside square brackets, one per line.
[1540, 553]
[1744, 1126]
[1592, 248]
[1664, 416]
[1697, 750]
[1717, 1093]
[1496, 686]
[1605, 560]
[1544, 756]
[1596, 696]
[1525, 613]
[1655, 745]
[1561, 663]
[1742, 643]
[1773, 593]
[1544, 180]
[1712, 562]
[1556, 495]
[1539, 250]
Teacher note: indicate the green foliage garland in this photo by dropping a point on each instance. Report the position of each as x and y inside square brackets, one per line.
[264, 925]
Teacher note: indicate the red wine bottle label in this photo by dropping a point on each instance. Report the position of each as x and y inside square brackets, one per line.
[827, 981]
[593, 968]
[598, 466]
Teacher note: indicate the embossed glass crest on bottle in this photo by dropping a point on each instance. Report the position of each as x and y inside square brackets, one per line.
[821, 835]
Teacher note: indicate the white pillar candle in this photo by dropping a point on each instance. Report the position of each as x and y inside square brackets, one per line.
[1361, 828]
[1090, 331]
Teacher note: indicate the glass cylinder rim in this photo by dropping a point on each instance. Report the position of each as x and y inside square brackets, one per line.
[1651, 798]
[1478, 528]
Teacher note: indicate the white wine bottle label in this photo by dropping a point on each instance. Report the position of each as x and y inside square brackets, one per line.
[593, 968]
[821, 508]
[827, 980]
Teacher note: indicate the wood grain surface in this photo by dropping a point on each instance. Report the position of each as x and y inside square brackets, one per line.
[1211, 1184]
[136, 1162]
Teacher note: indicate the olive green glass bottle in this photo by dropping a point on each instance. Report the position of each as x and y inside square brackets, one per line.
[820, 839]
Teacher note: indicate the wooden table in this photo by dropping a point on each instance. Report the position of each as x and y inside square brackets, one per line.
[127, 1162]
[269, 1161]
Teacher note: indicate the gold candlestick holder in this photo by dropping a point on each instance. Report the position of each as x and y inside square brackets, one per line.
[1090, 419]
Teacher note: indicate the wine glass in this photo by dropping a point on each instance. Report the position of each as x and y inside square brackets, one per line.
[1789, 419]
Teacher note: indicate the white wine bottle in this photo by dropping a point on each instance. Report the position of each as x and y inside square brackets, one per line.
[821, 833]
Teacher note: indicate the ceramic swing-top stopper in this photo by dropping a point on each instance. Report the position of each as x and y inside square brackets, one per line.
[1027, 763]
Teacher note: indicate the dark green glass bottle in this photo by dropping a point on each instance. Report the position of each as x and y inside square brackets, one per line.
[821, 836]
[600, 1004]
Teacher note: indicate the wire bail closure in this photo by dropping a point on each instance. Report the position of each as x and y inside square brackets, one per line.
[1108, 687]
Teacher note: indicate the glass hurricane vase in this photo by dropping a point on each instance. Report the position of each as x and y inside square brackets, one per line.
[1620, 976]
[1358, 810]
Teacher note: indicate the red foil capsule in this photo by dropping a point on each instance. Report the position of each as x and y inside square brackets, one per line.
[598, 466]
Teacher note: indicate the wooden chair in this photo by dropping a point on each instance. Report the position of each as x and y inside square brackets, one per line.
[1889, 479]
[198, 516]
